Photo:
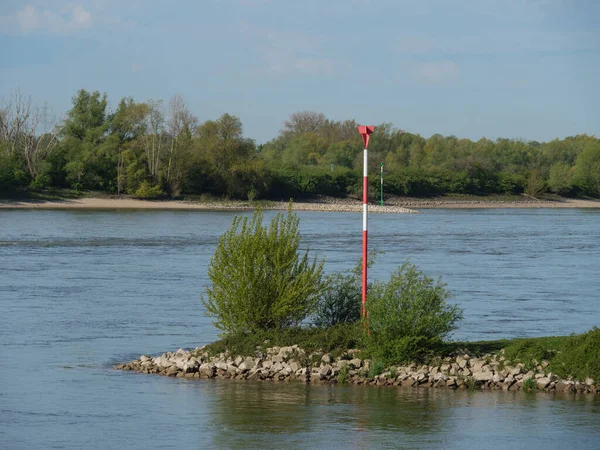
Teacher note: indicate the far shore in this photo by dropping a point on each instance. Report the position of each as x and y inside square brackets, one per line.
[397, 205]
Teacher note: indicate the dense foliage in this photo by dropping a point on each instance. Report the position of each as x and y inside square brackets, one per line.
[409, 315]
[258, 278]
[145, 149]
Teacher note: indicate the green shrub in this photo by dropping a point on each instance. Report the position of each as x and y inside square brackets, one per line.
[341, 299]
[343, 375]
[408, 316]
[529, 385]
[258, 279]
[146, 191]
[376, 368]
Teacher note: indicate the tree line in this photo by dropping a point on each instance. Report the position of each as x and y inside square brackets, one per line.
[151, 150]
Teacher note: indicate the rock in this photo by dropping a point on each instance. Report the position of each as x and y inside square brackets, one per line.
[589, 381]
[542, 383]
[497, 378]
[355, 363]
[479, 366]
[207, 370]
[285, 352]
[326, 358]
[221, 366]
[246, 366]
[463, 363]
[482, 376]
[145, 358]
[529, 374]
[451, 382]
[172, 371]
[295, 366]
[277, 367]
[515, 371]
[440, 377]
[325, 371]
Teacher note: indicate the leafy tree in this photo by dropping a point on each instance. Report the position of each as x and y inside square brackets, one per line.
[587, 169]
[560, 178]
[258, 278]
[535, 184]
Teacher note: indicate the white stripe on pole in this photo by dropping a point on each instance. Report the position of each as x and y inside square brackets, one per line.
[364, 217]
[366, 170]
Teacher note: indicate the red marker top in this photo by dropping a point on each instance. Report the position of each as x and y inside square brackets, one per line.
[366, 131]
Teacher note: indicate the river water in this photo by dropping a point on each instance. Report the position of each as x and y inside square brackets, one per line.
[82, 290]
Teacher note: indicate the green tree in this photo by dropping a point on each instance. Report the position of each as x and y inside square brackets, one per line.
[560, 179]
[82, 134]
[587, 169]
[258, 278]
[535, 183]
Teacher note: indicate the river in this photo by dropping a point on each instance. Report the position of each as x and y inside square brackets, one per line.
[82, 290]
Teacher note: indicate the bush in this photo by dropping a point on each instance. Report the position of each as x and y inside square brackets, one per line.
[408, 316]
[341, 300]
[147, 192]
[259, 281]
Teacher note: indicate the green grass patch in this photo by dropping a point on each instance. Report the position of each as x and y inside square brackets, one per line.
[576, 355]
[334, 340]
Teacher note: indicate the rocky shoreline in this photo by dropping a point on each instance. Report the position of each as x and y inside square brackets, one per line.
[287, 364]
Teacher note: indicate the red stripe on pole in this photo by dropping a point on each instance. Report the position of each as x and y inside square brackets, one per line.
[365, 131]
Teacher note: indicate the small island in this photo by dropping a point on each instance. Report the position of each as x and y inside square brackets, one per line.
[284, 321]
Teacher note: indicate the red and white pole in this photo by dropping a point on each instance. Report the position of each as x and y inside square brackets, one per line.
[365, 131]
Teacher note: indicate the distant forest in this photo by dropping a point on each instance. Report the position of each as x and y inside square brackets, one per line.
[152, 150]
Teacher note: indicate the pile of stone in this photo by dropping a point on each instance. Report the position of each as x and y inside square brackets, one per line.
[292, 363]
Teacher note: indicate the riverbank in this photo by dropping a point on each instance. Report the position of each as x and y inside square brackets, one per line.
[292, 363]
[563, 363]
[174, 205]
[397, 205]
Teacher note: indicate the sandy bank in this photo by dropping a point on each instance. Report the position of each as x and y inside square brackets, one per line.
[108, 204]
[396, 205]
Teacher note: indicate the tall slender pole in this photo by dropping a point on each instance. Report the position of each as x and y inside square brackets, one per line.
[365, 131]
[381, 184]
[365, 252]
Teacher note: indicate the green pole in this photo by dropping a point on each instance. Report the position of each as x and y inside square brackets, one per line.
[381, 184]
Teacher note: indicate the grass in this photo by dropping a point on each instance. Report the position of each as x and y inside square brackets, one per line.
[529, 385]
[334, 340]
[343, 375]
[576, 356]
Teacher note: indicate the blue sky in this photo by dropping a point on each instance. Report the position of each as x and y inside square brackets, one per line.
[527, 69]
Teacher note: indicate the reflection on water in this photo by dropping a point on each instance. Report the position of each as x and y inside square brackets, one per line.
[82, 290]
[261, 415]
